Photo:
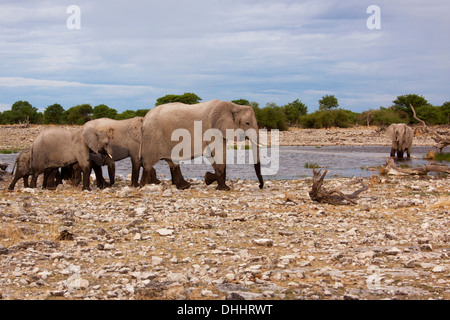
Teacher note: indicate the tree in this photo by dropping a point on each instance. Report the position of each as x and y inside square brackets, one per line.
[402, 104]
[273, 117]
[328, 102]
[79, 114]
[142, 112]
[22, 111]
[294, 110]
[187, 98]
[54, 114]
[127, 114]
[103, 111]
[241, 102]
[445, 109]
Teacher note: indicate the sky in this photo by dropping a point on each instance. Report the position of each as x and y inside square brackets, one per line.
[126, 54]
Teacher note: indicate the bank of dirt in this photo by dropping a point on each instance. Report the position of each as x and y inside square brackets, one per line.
[158, 242]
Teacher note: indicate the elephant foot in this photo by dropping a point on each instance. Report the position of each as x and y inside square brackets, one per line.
[210, 178]
[223, 187]
[155, 181]
[183, 185]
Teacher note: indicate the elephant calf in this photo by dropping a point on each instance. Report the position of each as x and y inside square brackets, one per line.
[22, 168]
[402, 137]
[58, 147]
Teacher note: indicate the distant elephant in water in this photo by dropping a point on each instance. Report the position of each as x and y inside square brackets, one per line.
[402, 138]
[58, 147]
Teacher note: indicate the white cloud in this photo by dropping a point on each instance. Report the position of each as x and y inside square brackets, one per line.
[131, 52]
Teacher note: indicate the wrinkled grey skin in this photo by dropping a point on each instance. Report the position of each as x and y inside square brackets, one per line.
[58, 147]
[22, 168]
[161, 122]
[402, 138]
[125, 140]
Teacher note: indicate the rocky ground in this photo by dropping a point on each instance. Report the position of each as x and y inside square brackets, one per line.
[161, 243]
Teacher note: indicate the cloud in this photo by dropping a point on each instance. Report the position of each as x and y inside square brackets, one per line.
[129, 53]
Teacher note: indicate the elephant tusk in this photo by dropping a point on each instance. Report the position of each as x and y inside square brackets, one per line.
[109, 155]
[258, 144]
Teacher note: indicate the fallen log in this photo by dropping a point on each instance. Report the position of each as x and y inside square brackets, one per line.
[318, 192]
[391, 169]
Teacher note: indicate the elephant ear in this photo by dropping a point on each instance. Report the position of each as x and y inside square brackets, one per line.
[90, 137]
[223, 116]
[134, 130]
[390, 132]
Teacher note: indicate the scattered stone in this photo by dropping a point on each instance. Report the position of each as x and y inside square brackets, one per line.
[263, 242]
[165, 232]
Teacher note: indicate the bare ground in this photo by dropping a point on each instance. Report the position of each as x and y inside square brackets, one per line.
[161, 243]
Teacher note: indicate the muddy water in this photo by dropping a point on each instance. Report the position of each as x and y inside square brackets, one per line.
[340, 161]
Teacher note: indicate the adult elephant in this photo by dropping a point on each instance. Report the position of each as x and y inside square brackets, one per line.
[58, 147]
[213, 120]
[402, 137]
[125, 140]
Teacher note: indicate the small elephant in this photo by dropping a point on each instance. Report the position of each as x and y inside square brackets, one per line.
[222, 117]
[22, 168]
[125, 141]
[402, 138]
[58, 147]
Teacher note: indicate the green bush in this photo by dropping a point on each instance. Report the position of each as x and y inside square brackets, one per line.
[271, 117]
[388, 116]
[338, 118]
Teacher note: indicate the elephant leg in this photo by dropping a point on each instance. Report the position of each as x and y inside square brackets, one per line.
[393, 153]
[149, 177]
[177, 176]
[408, 153]
[149, 173]
[220, 175]
[111, 170]
[25, 181]
[153, 178]
[46, 177]
[86, 174]
[51, 181]
[135, 168]
[76, 175]
[14, 181]
[210, 178]
[98, 175]
[34, 178]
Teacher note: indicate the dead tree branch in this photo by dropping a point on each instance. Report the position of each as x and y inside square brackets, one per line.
[441, 142]
[320, 194]
[391, 169]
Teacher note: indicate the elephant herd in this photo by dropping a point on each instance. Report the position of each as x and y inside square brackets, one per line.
[145, 140]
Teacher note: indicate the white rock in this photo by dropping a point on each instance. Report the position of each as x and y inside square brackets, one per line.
[156, 260]
[177, 277]
[439, 269]
[393, 251]
[164, 232]
[263, 242]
